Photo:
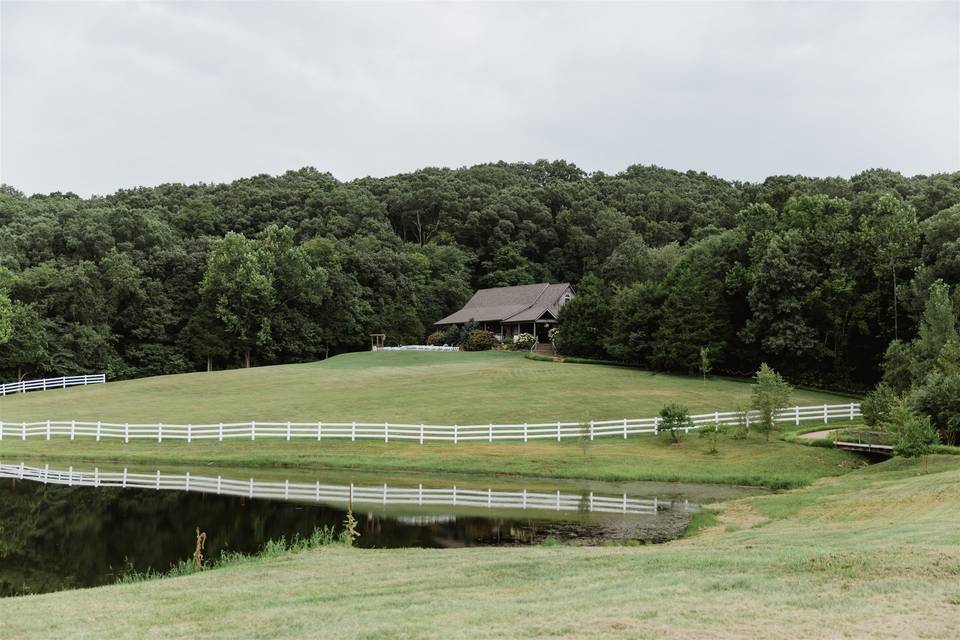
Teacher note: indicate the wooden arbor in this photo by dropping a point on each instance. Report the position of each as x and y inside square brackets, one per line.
[376, 341]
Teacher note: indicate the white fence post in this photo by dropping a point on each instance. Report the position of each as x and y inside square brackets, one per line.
[126, 432]
[656, 425]
[386, 432]
[319, 430]
[456, 434]
[220, 431]
[558, 431]
[253, 430]
[98, 431]
[353, 432]
[159, 432]
[524, 431]
[624, 428]
[824, 414]
[189, 433]
[490, 432]
[421, 433]
[48, 429]
[288, 431]
[796, 412]
[591, 430]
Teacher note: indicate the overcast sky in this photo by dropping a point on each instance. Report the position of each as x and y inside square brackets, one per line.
[101, 96]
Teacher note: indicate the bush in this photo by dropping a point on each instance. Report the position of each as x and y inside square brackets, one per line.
[674, 418]
[939, 398]
[524, 341]
[436, 339]
[479, 340]
[916, 438]
[879, 404]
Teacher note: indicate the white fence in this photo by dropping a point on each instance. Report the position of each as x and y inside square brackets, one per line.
[388, 431]
[51, 383]
[346, 494]
[421, 347]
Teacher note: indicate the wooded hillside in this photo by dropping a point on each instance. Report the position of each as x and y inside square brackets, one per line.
[800, 272]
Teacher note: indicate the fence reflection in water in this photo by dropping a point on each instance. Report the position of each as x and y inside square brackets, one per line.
[348, 493]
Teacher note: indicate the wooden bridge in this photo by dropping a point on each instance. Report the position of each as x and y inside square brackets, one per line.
[865, 447]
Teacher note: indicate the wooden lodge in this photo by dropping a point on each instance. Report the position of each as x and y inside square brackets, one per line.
[510, 311]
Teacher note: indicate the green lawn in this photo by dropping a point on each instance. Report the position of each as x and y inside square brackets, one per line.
[875, 553]
[774, 464]
[437, 387]
[443, 388]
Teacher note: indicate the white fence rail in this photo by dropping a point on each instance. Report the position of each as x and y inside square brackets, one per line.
[346, 494]
[388, 431]
[421, 347]
[51, 383]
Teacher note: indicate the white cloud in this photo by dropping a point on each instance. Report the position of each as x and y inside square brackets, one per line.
[98, 96]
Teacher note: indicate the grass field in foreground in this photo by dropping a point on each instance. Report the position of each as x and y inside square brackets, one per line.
[775, 464]
[875, 553]
[444, 388]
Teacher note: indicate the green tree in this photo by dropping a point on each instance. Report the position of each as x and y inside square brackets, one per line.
[239, 284]
[705, 365]
[938, 325]
[585, 319]
[938, 400]
[6, 318]
[26, 350]
[674, 419]
[892, 232]
[916, 438]
[878, 405]
[770, 395]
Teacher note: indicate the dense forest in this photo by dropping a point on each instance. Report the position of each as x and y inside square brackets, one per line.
[816, 276]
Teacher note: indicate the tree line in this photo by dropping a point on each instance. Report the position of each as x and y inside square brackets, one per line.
[816, 276]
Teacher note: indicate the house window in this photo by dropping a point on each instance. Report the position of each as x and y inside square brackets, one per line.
[567, 297]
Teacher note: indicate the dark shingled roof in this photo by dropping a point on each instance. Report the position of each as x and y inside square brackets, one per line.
[523, 303]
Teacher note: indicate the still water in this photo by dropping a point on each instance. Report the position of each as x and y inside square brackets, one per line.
[66, 527]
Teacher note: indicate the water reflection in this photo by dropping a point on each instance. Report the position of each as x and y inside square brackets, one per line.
[74, 527]
[341, 494]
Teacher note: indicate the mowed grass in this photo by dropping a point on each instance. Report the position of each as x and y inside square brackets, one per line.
[875, 553]
[775, 464]
[442, 388]
[428, 387]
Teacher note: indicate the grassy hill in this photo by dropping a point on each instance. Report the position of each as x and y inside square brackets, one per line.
[443, 388]
[428, 387]
[875, 553]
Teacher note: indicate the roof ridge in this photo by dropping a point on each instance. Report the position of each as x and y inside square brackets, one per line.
[535, 300]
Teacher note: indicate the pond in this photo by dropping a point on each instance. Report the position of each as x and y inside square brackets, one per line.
[68, 526]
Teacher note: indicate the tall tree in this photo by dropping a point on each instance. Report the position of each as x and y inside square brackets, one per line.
[239, 284]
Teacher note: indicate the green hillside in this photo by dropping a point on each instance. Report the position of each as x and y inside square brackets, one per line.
[416, 387]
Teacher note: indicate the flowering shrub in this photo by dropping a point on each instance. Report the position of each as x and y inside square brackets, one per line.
[479, 340]
[436, 339]
[524, 341]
